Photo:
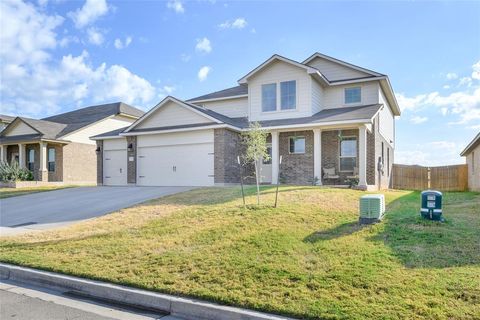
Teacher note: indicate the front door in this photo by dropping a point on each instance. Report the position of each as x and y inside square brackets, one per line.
[115, 167]
[266, 167]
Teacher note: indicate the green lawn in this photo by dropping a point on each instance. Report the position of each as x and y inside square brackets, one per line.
[13, 192]
[308, 258]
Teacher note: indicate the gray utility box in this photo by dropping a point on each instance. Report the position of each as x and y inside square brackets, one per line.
[372, 208]
[431, 205]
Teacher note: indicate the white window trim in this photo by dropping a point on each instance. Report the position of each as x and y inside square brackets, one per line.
[289, 141]
[340, 154]
[345, 103]
[278, 107]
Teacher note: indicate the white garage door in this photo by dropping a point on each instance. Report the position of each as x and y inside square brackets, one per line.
[114, 162]
[179, 159]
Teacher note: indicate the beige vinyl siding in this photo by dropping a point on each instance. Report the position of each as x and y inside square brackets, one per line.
[172, 114]
[386, 119]
[473, 163]
[115, 144]
[277, 72]
[20, 128]
[233, 108]
[317, 97]
[334, 97]
[83, 135]
[335, 71]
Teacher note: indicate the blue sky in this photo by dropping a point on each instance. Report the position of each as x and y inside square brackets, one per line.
[60, 55]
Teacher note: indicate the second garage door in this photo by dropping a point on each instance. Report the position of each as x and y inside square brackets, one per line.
[177, 159]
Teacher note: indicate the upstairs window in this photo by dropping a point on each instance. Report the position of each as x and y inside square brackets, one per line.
[348, 153]
[31, 159]
[297, 145]
[288, 95]
[269, 97]
[353, 95]
[51, 159]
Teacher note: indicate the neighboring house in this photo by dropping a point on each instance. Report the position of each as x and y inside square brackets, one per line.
[4, 121]
[329, 120]
[472, 154]
[58, 148]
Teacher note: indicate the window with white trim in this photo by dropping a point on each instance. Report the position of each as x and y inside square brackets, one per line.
[31, 159]
[353, 95]
[269, 97]
[288, 95]
[51, 159]
[297, 145]
[348, 153]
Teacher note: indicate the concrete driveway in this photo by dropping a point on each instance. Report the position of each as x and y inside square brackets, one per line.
[44, 210]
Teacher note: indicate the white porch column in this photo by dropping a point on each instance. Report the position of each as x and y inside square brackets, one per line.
[317, 155]
[362, 157]
[21, 155]
[42, 171]
[275, 157]
[3, 153]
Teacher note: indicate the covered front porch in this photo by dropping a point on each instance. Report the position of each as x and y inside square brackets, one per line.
[42, 158]
[319, 156]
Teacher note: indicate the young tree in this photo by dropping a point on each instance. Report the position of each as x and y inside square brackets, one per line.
[255, 140]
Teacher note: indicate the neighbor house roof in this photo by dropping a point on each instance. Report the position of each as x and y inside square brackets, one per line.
[55, 127]
[241, 90]
[472, 145]
[6, 119]
[45, 130]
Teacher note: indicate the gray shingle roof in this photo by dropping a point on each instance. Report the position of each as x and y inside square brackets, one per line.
[472, 145]
[230, 92]
[20, 138]
[5, 118]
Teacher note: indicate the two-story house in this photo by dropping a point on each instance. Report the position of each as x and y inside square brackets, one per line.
[328, 121]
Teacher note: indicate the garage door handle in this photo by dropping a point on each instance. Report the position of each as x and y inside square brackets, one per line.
[141, 156]
[174, 169]
[120, 170]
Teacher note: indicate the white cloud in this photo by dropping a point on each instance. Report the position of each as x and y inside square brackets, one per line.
[452, 76]
[444, 111]
[475, 127]
[95, 36]
[89, 12]
[176, 5]
[476, 71]
[238, 23]
[35, 84]
[168, 89]
[465, 81]
[119, 44]
[203, 73]
[418, 119]
[203, 45]
[446, 86]
[426, 154]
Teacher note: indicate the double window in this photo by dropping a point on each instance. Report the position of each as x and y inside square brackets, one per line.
[31, 159]
[288, 96]
[348, 153]
[51, 159]
[353, 95]
[297, 145]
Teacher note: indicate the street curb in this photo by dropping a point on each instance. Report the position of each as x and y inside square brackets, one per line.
[177, 306]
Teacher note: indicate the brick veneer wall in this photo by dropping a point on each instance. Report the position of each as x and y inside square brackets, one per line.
[57, 174]
[227, 146]
[79, 163]
[132, 165]
[100, 163]
[296, 168]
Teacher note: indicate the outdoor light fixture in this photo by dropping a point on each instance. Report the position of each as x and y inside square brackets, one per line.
[98, 150]
[130, 147]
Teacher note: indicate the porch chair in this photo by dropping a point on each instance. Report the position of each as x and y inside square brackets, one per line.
[354, 174]
[330, 174]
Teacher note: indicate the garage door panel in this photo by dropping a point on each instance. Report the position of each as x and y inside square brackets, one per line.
[176, 165]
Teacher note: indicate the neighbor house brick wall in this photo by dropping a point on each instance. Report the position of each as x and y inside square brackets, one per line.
[36, 163]
[132, 165]
[79, 163]
[99, 157]
[57, 174]
[331, 152]
[296, 168]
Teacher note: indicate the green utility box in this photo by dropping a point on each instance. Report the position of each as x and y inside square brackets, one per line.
[372, 208]
[431, 205]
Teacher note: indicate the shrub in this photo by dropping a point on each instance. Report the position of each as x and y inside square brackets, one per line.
[13, 172]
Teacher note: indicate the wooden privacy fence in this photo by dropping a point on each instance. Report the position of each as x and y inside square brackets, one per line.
[445, 178]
